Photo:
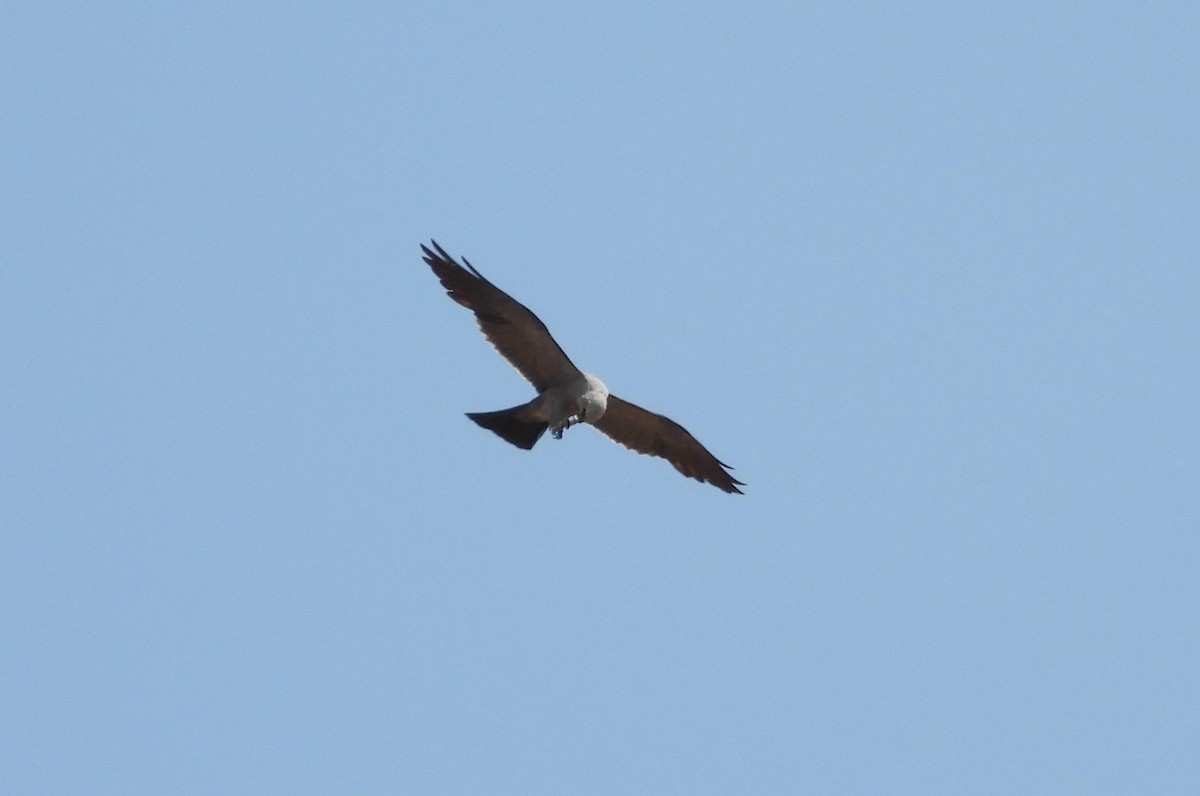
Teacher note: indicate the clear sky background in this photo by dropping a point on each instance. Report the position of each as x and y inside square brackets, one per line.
[925, 274]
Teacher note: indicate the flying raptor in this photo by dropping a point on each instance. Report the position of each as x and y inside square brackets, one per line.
[566, 395]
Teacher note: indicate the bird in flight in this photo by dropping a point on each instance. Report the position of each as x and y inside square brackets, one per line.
[566, 395]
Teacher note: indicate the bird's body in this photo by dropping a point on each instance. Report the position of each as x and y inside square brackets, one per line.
[566, 395]
[583, 399]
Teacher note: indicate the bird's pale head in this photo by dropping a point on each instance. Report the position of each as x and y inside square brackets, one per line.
[594, 400]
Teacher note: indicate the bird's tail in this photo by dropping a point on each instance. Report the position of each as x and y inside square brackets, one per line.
[512, 426]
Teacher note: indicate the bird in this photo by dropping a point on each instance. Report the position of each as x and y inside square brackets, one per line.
[567, 396]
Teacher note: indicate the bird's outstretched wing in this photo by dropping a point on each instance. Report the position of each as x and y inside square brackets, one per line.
[655, 435]
[508, 325]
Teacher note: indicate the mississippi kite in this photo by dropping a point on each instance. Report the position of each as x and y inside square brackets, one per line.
[566, 395]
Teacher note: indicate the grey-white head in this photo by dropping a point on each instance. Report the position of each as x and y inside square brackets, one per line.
[594, 400]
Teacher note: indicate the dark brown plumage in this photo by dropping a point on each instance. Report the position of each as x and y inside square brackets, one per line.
[655, 435]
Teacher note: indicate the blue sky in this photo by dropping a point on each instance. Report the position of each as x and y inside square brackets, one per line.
[926, 275]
